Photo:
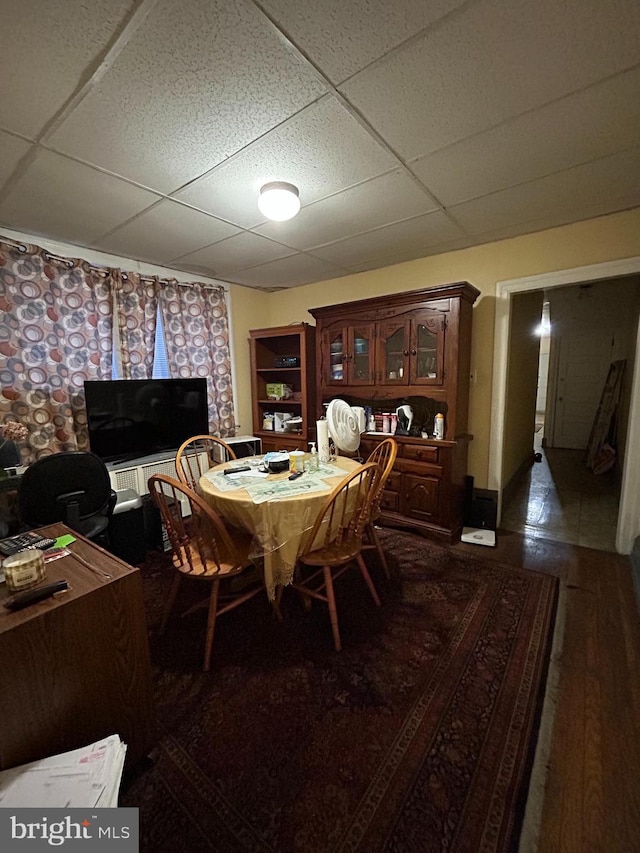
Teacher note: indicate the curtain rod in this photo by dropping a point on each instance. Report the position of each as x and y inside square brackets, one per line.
[103, 270]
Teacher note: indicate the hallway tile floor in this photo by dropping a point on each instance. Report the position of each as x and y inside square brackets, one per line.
[561, 499]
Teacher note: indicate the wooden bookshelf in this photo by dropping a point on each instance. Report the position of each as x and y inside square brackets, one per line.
[284, 355]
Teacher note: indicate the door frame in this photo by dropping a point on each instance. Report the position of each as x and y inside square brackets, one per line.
[629, 512]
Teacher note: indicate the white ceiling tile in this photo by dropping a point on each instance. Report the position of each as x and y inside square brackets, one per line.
[401, 257]
[236, 253]
[321, 150]
[492, 61]
[377, 202]
[46, 51]
[556, 219]
[12, 150]
[515, 230]
[344, 37]
[199, 80]
[612, 183]
[407, 237]
[526, 110]
[164, 232]
[581, 127]
[197, 269]
[66, 200]
[288, 272]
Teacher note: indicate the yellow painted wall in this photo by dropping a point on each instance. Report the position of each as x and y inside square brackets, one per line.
[522, 376]
[248, 309]
[593, 241]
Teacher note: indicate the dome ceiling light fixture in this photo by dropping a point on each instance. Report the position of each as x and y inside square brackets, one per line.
[279, 200]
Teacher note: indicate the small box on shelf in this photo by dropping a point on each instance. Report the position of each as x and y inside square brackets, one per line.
[286, 361]
[279, 391]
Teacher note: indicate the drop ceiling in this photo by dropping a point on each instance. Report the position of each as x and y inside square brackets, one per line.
[145, 129]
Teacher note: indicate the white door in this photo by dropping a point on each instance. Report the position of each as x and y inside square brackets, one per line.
[584, 359]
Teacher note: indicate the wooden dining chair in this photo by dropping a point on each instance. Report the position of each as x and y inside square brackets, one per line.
[203, 551]
[335, 542]
[384, 455]
[192, 463]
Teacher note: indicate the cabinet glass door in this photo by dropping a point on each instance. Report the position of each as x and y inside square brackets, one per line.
[427, 350]
[394, 353]
[334, 355]
[360, 356]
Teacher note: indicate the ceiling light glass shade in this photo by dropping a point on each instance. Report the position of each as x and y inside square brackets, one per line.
[279, 200]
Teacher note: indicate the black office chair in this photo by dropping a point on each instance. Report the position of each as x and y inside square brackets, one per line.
[72, 487]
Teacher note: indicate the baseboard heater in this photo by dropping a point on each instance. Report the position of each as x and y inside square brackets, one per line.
[134, 474]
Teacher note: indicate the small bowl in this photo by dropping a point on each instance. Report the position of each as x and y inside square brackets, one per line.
[276, 462]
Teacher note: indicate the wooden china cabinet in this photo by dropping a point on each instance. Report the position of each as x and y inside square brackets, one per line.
[284, 355]
[407, 348]
[399, 352]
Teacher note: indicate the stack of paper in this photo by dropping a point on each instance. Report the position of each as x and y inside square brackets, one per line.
[87, 777]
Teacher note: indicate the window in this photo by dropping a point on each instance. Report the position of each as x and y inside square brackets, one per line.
[160, 365]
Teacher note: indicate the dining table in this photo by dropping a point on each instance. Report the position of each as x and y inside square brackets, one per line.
[278, 512]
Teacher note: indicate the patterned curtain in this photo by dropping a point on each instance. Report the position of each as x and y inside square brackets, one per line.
[196, 330]
[56, 332]
[135, 300]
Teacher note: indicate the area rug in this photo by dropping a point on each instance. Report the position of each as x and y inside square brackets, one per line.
[418, 736]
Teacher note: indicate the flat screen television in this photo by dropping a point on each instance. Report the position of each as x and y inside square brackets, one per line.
[128, 418]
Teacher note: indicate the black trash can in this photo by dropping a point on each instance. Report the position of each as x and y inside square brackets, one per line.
[126, 528]
[156, 534]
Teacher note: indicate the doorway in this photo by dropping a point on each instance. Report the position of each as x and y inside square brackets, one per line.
[559, 497]
[628, 525]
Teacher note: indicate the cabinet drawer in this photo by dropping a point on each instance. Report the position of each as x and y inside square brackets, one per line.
[420, 452]
[393, 482]
[271, 445]
[367, 446]
[390, 501]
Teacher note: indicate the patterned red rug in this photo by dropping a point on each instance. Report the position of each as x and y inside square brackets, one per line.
[418, 736]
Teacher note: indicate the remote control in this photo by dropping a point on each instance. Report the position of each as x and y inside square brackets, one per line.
[31, 596]
[24, 541]
[295, 475]
[237, 470]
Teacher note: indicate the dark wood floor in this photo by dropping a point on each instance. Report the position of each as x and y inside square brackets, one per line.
[592, 794]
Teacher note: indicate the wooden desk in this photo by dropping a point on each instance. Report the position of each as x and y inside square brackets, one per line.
[280, 524]
[76, 668]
